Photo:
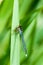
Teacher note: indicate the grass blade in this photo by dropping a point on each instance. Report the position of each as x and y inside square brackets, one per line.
[15, 41]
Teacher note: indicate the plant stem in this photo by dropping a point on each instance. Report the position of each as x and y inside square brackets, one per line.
[15, 39]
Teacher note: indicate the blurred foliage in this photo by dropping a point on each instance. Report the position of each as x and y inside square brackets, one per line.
[31, 19]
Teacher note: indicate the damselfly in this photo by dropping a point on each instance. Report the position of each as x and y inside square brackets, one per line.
[19, 29]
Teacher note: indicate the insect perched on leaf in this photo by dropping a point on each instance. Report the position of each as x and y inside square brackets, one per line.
[20, 30]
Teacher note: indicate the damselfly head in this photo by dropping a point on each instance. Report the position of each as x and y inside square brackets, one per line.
[18, 29]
